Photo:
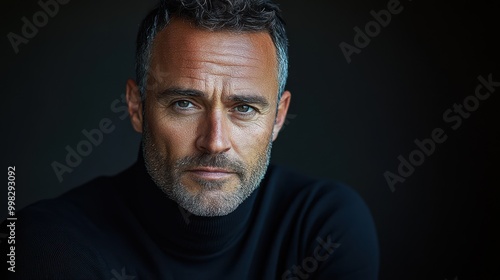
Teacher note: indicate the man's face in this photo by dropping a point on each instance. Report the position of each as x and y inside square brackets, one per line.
[209, 115]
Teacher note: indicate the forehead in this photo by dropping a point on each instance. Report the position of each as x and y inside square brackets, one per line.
[183, 50]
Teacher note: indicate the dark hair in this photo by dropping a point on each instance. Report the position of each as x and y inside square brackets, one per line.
[236, 15]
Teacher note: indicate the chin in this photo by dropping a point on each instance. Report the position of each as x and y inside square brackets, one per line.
[211, 203]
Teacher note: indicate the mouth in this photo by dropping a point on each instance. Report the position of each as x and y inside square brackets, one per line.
[210, 173]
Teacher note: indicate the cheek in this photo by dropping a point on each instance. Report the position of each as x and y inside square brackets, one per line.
[250, 143]
[173, 139]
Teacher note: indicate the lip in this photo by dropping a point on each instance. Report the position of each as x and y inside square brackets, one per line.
[211, 173]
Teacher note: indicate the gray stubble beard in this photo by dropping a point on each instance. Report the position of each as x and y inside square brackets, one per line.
[205, 203]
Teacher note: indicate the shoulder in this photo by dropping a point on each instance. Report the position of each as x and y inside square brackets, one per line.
[98, 199]
[72, 208]
[316, 203]
[297, 188]
[323, 213]
[55, 238]
[86, 207]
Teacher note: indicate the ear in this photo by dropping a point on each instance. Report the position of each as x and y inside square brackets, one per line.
[282, 111]
[134, 103]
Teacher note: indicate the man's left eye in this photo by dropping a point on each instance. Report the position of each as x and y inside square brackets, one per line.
[244, 109]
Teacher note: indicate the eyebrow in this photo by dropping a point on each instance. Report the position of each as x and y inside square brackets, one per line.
[249, 98]
[242, 98]
[172, 92]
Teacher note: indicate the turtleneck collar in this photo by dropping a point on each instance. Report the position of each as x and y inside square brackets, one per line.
[177, 231]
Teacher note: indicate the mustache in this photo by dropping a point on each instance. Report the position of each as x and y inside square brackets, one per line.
[211, 160]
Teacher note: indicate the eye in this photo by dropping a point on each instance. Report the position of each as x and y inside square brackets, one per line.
[183, 104]
[244, 109]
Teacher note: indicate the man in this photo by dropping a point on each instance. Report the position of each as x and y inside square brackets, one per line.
[202, 201]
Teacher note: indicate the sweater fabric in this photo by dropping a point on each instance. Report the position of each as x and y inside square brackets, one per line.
[124, 227]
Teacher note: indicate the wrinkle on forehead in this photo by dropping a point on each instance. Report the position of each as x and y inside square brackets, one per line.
[186, 51]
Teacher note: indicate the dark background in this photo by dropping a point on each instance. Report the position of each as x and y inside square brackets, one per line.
[347, 121]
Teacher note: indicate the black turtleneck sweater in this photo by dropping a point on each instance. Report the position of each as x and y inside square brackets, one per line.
[124, 228]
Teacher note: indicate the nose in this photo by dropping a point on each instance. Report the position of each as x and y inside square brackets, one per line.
[214, 133]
